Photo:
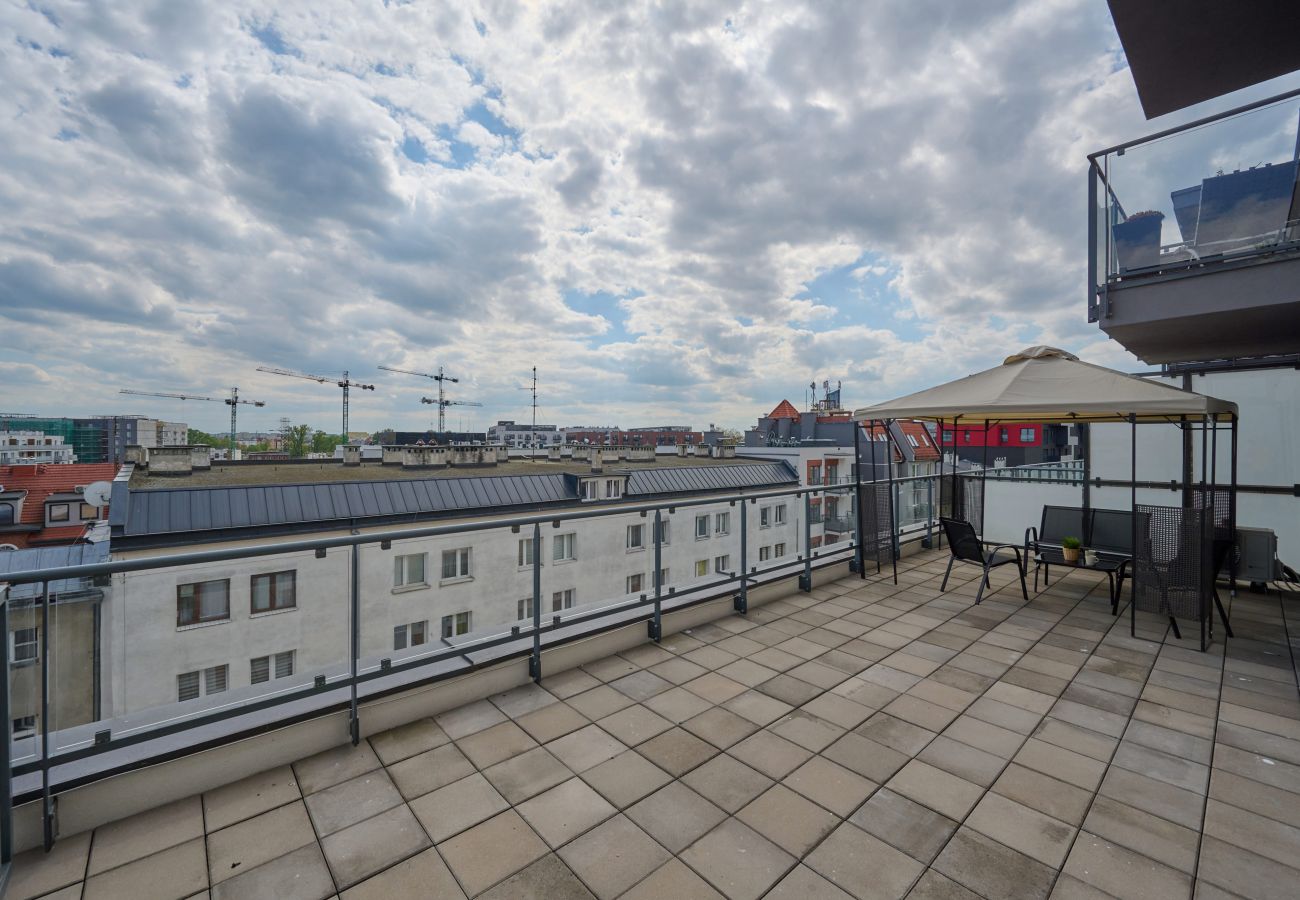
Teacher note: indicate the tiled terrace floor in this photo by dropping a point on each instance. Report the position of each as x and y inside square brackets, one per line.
[863, 740]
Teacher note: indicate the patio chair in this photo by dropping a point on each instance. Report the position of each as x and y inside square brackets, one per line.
[967, 547]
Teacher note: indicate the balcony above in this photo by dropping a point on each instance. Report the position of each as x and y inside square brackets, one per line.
[1195, 238]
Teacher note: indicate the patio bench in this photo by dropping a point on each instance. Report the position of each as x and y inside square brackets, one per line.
[1107, 532]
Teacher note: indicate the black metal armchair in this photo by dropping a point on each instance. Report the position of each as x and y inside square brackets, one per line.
[967, 547]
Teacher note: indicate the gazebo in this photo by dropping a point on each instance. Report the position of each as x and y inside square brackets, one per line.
[1047, 385]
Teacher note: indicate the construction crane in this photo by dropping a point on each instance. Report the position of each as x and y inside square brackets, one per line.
[232, 401]
[344, 382]
[442, 401]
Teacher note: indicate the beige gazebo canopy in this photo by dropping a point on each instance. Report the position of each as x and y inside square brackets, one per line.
[1044, 384]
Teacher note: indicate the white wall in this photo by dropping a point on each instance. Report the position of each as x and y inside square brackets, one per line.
[1012, 506]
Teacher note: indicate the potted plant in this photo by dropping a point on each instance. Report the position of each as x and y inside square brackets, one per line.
[1137, 240]
[1070, 549]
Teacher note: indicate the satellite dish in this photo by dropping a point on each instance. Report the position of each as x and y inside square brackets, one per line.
[98, 494]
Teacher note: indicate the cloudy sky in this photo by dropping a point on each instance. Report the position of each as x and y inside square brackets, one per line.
[679, 212]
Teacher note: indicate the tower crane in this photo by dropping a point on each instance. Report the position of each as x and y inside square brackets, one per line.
[232, 401]
[442, 377]
[343, 382]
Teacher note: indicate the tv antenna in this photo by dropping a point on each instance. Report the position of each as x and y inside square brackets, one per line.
[343, 382]
[232, 401]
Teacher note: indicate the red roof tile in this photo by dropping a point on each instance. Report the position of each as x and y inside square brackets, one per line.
[784, 410]
[42, 480]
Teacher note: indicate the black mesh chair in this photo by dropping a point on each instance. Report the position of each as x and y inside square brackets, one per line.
[967, 547]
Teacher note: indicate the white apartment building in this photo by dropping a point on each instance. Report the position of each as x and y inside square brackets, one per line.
[517, 434]
[233, 629]
[33, 447]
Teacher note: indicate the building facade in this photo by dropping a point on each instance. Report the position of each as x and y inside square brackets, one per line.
[1010, 443]
[31, 447]
[44, 504]
[516, 434]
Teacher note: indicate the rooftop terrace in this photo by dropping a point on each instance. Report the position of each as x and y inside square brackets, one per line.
[863, 740]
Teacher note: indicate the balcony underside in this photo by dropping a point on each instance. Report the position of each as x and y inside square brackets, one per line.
[1225, 311]
[882, 739]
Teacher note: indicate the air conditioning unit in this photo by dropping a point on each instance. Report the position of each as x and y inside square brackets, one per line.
[79, 489]
[1257, 555]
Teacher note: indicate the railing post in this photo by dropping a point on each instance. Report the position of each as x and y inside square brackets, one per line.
[535, 661]
[6, 750]
[656, 623]
[898, 507]
[929, 513]
[354, 719]
[47, 801]
[741, 603]
[805, 580]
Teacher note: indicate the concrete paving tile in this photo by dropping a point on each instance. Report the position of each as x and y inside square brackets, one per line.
[678, 670]
[138, 836]
[804, 884]
[864, 866]
[491, 851]
[991, 869]
[613, 857]
[397, 744]
[1066, 765]
[585, 748]
[1054, 798]
[361, 850]
[942, 694]
[465, 720]
[964, 761]
[551, 721]
[254, 841]
[1154, 796]
[770, 754]
[299, 874]
[1249, 830]
[599, 702]
[747, 672]
[985, 736]
[837, 710]
[807, 731]
[1182, 773]
[610, 668]
[547, 878]
[1123, 873]
[738, 861]
[677, 751]
[941, 791]
[1282, 806]
[626, 778]
[869, 759]
[1261, 768]
[640, 685]
[522, 700]
[429, 770]
[460, 805]
[495, 743]
[1243, 873]
[634, 725]
[424, 874]
[758, 707]
[905, 824]
[678, 704]
[570, 682]
[673, 879]
[1022, 828]
[1106, 701]
[921, 713]
[1072, 737]
[720, 727]
[727, 781]
[247, 797]
[1068, 887]
[178, 871]
[676, 816]
[315, 773]
[933, 886]
[715, 688]
[35, 872]
[527, 775]
[565, 811]
[1150, 835]
[830, 785]
[789, 690]
[335, 808]
[1273, 746]
[792, 822]
[710, 658]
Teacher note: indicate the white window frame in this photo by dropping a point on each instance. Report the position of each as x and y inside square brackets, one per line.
[636, 538]
[564, 543]
[764, 554]
[721, 563]
[463, 565]
[34, 643]
[702, 527]
[525, 554]
[25, 730]
[456, 620]
[765, 517]
[778, 514]
[590, 489]
[636, 583]
[205, 679]
[402, 575]
[524, 609]
[1027, 435]
[701, 568]
[562, 600]
[778, 550]
[722, 522]
[661, 529]
[613, 488]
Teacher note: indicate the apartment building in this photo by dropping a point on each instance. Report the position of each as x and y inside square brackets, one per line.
[44, 504]
[34, 447]
[231, 628]
[518, 434]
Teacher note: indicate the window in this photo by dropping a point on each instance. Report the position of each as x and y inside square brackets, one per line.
[455, 624]
[455, 564]
[524, 608]
[562, 600]
[399, 637]
[24, 726]
[564, 546]
[613, 488]
[89, 512]
[191, 685]
[663, 577]
[701, 568]
[636, 537]
[24, 644]
[408, 570]
[58, 512]
[764, 554]
[660, 530]
[965, 436]
[721, 563]
[6, 513]
[765, 517]
[635, 583]
[589, 489]
[778, 550]
[701, 527]
[274, 591]
[722, 523]
[814, 474]
[1026, 435]
[911, 439]
[419, 633]
[203, 601]
[261, 667]
[778, 514]
[525, 552]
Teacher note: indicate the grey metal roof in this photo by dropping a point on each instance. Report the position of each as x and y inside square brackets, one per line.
[688, 479]
[49, 558]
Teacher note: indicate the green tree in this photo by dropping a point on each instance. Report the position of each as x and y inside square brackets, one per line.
[322, 442]
[297, 440]
[202, 437]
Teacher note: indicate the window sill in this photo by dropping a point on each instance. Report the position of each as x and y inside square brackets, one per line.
[636, 549]
[194, 625]
[408, 588]
[564, 562]
[459, 580]
[701, 537]
[273, 612]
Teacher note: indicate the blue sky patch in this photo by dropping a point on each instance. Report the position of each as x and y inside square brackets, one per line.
[605, 305]
[270, 38]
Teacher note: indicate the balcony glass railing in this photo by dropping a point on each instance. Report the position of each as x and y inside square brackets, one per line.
[1215, 190]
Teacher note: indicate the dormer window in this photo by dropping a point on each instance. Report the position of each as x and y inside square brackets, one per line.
[590, 489]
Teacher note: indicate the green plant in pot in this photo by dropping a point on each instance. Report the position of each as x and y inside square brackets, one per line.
[1070, 549]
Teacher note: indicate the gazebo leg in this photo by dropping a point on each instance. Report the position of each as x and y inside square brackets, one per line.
[1173, 623]
[1223, 615]
[943, 587]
